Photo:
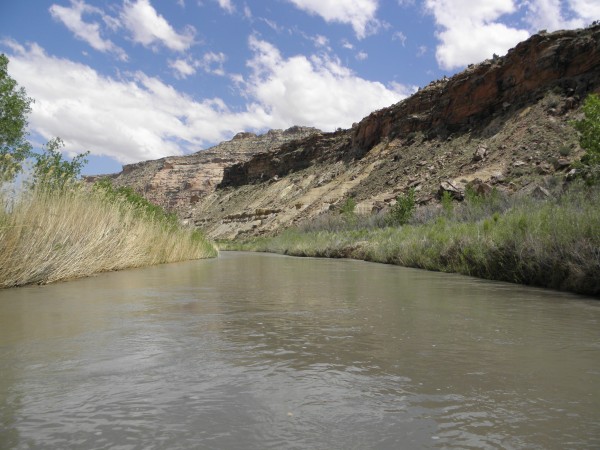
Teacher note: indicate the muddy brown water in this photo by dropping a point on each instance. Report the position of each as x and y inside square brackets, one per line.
[259, 351]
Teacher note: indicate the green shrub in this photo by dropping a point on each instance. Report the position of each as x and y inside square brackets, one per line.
[564, 150]
[348, 207]
[447, 204]
[589, 138]
[142, 206]
[403, 210]
[51, 171]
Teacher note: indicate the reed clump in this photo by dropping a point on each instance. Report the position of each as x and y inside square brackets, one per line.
[553, 243]
[48, 235]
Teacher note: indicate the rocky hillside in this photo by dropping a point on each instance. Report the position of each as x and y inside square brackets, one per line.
[178, 182]
[503, 123]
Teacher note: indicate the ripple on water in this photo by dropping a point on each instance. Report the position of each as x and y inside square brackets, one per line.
[333, 354]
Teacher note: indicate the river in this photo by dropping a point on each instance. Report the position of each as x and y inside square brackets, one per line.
[260, 351]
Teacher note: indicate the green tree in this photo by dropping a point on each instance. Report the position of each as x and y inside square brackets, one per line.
[589, 138]
[51, 171]
[347, 212]
[403, 210]
[14, 108]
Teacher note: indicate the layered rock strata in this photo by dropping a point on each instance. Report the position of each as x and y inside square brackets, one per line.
[178, 182]
[504, 123]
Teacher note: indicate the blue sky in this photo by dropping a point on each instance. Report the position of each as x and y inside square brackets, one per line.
[131, 80]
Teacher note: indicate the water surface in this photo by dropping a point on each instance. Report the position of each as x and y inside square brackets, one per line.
[264, 351]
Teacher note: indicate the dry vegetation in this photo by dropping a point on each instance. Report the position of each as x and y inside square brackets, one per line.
[51, 235]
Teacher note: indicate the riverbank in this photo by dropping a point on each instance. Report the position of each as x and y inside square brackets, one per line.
[54, 235]
[552, 242]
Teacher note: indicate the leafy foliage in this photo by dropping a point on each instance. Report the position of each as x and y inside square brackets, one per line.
[446, 201]
[348, 206]
[14, 108]
[51, 171]
[589, 127]
[126, 194]
[347, 211]
[403, 210]
[589, 139]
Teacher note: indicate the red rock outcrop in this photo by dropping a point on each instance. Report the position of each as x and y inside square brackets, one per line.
[568, 61]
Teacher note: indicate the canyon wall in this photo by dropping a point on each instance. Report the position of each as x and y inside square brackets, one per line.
[505, 122]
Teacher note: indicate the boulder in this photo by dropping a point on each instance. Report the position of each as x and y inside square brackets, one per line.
[480, 187]
[571, 174]
[561, 164]
[544, 169]
[454, 190]
[535, 191]
[540, 193]
[480, 154]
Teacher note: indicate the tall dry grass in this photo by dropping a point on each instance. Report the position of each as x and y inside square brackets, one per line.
[52, 235]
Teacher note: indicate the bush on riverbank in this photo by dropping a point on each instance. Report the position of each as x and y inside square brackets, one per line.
[552, 243]
[48, 235]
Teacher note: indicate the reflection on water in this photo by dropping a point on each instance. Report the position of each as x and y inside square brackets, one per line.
[265, 351]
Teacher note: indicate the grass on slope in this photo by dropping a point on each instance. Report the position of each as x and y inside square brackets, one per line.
[553, 243]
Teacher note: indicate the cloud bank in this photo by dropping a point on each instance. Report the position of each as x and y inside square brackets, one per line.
[469, 32]
[137, 117]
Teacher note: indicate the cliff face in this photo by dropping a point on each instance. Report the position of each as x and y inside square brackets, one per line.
[567, 60]
[178, 182]
[504, 122]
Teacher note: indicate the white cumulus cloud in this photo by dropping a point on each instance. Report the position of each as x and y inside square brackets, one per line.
[471, 31]
[361, 56]
[589, 10]
[90, 32]
[553, 15]
[149, 28]
[211, 63]
[360, 14]
[183, 68]
[317, 90]
[139, 117]
[133, 118]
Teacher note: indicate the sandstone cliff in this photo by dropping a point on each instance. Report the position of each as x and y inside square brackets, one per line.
[504, 122]
[178, 182]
